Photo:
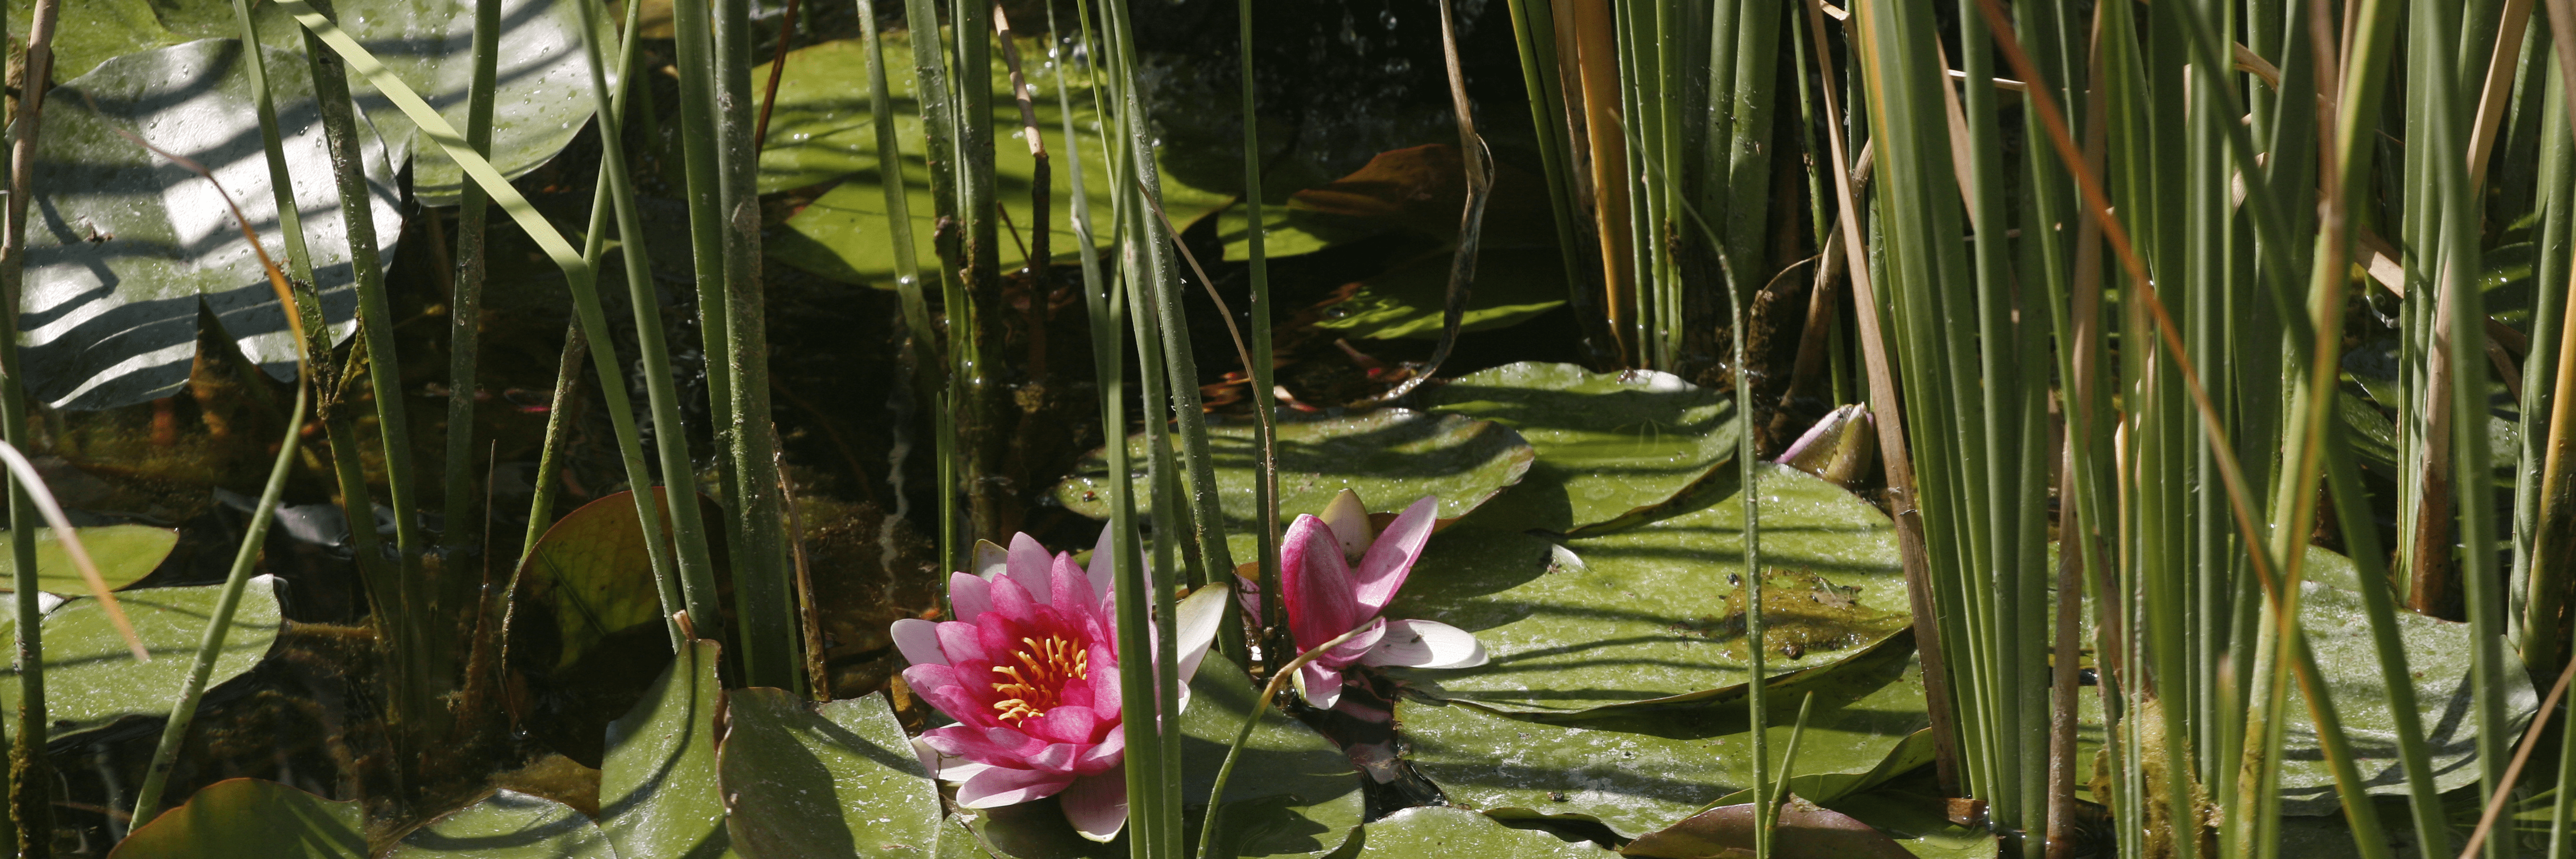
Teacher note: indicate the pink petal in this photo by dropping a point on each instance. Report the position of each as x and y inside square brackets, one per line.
[1000, 786]
[1200, 615]
[1391, 558]
[1029, 563]
[918, 640]
[1426, 644]
[1013, 600]
[1106, 754]
[1097, 804]
[1104, 685]
[1070, 589]
[968, 596]
[1347, 652]
[1103, 569]
[962, 643]
[1315, 583]
[1064, 724]
[1322, 686]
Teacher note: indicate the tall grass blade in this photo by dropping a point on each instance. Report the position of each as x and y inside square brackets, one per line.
[465, 306]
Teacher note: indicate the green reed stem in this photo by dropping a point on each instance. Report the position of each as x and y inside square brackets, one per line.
[1768, 816]
[465, 308]
[2544, 583]
[939, 156]
[30, 780]
[541, 506]
[1534, 35]
[1272, 615]
[174, 733]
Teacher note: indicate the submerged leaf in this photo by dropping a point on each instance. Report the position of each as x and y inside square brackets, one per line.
[1801, 831]
[244, 817]
[1610, 445]
[837, 779]
[1437, 831]
[91, 678]
[508, 825]
[1391, 456]
[124, 247]
[1655, 614]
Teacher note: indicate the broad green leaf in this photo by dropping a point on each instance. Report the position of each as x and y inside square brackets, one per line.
[1512, 286]
[1389, 456]
[1438, 831]
[590, 575]
[808, 781]
[1642, 771]
[124, 247]
[124, 555]
[508, 825]
[248, 817]
[1656, 613]
[1917, 750]
[657, 783]
[1609, 444]
[821, 130]
[91, 678]
[1919, 824]
[1801, 830]
[90, 32]
[1292, 793]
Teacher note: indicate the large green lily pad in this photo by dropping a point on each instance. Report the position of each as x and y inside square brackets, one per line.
[91, 678]
[1389, 456]
[124, 555]
[1610, 445]
[1654, 614]
[1291, 794]
[591, 575]
[1640, 772]
[807, 781]
[657, 783]
[821, 129]
[508, 825]
[1436, 831]
[244, 817]
[1512, 286]
[124, 247]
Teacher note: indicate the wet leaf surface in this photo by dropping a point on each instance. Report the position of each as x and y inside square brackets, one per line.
[657, 786]
[1389, 456]
[1801, 831]
[508, 825]
[1513, 285]
[124, 247]
[1919, 824]
[835, 779]
[1437, 831]
[1609, 444]
[91, 678]
[1639, 772]
[247, 817]
[1657, 611]
[124, 555]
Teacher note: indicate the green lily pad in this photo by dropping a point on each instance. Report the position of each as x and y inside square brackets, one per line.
[124, 247]
[250, 817]
[1654, 615]
[657, 784]
[1291, 794]
[821, 129]
[1919, 824]
[1642, 771]
[1389, 456]
[1610, 445]
[124, 555]
[1513, 285]
[508, 825]
[835, 779]
[1802, 830]
[592, 576]
[1436, 831]
[91, 678]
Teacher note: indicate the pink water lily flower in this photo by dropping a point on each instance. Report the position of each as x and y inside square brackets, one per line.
[1029, 669]
[1326, 597]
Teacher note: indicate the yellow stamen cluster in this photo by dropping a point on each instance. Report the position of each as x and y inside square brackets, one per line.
[1034, 684]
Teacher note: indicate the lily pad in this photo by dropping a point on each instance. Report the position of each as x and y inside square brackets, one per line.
[1918, 823]
[1642, 771]
[822, 129]
[1389, 456]
[1512, 285]
[1654, 614]
[124, 247]
[250, 817]
[542, 98]
[508, 825]
[1437, 831]
[657, 785]
[91, 678]
[836, 779]
[1617, 444]
[592, 576]
[1802, 830]
[124, 555]
[1291, 794]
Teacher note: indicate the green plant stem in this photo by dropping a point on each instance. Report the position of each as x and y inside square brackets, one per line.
[2544, 582]
[1252, 718]
[1272, 616]
[541, 505]
[1768, 815]
[30, 779]
[983, 396]
[465, 307]
[174, 733]
[939, 156]
[2553, 561]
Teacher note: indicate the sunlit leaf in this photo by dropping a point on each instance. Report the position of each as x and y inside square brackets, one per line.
[508, 825]
[247, 817]
[657, 785]
[1437, 831]
[1609, 444]
[823, 780]
[91, 678]
[124, 555]
[1802, 830]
